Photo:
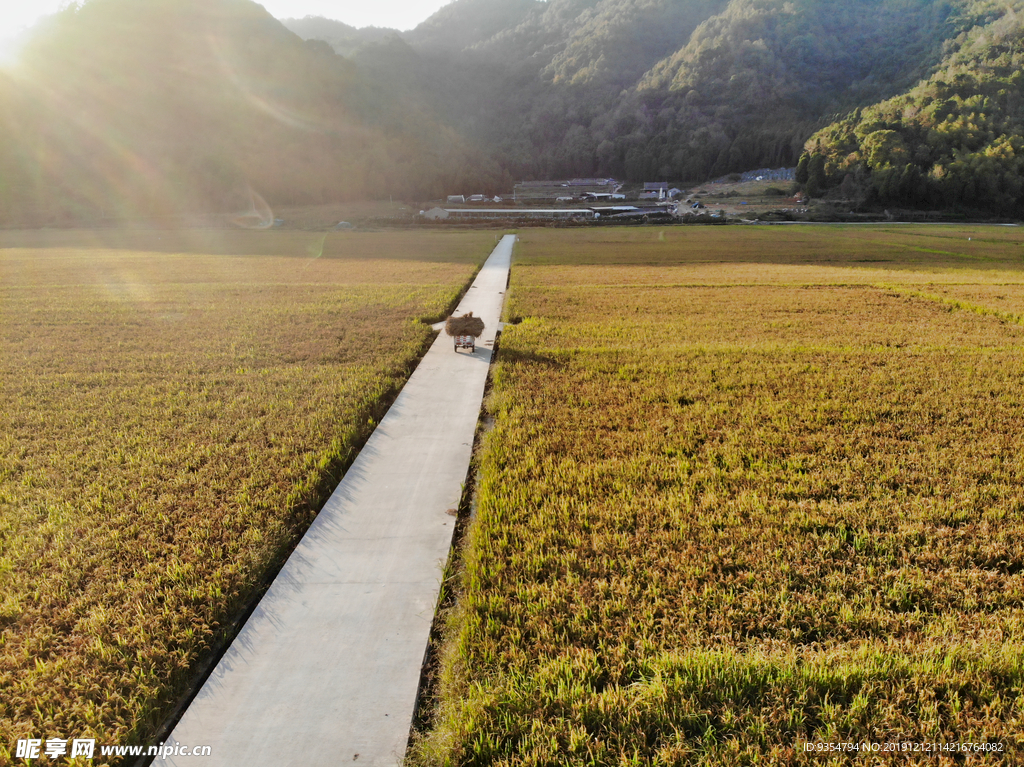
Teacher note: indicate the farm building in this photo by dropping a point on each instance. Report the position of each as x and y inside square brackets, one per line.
[659, 190]
[601, 196]
[635, 211]
[452, 213]
[608, 210]
[454, 199]
[546, 191]
[435, 214]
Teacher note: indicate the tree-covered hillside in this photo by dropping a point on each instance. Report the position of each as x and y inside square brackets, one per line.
[749, 84]
[659, 89]
[123, 108]
[955, 140]
[465, 24]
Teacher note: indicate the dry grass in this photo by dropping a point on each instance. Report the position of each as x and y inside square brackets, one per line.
[466, 325]
[169, 423]
[1006, 300]
[716, 523]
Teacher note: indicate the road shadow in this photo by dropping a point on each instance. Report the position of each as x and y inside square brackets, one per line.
[521, 357]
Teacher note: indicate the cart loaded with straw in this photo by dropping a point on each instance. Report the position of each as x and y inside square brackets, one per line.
[464, 330]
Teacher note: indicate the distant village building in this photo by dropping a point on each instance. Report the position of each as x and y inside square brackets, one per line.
[614, 210]
[659, 190]
[638, 212]
[453, 213]
[590, 214]
[547, 191]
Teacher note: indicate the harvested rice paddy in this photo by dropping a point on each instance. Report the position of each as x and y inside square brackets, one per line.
[174, 407]
[748, 490]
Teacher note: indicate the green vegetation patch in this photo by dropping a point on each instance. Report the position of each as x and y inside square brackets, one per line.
[954, 140]
[900, 251]
[716, 523]
[169, 424]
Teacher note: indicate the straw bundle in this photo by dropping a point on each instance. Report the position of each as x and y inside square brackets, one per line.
[466, 325]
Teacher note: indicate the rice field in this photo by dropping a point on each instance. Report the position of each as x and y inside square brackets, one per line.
[749, 492]
[174, 407]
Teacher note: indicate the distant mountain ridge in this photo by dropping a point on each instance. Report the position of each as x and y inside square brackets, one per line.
[664, 89]
[123, 107]
[345, 40]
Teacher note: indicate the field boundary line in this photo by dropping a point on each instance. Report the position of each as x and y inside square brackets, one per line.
[954, 303]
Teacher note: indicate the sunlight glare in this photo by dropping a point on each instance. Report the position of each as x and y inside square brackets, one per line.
[398, 14]
[9, 49]
[16, 19]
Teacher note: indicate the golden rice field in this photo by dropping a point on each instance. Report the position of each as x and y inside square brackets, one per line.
[747, 489]
[173, 409]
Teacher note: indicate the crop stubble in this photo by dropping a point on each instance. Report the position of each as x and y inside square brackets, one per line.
[169, 422]
[716, 522]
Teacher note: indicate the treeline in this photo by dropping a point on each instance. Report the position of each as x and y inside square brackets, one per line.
[956, 140]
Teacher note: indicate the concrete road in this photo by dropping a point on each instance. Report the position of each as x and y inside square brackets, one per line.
[327, 666]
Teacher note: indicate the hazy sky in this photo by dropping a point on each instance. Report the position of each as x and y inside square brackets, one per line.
[400, 14]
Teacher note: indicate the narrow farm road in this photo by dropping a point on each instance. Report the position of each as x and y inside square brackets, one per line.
[326, 669]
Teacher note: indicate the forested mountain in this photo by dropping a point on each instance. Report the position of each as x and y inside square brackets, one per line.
[660, 89]
[750, 81]
[956, 140]
[466, 23]
[122, 107]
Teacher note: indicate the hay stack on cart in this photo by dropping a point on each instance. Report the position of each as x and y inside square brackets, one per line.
[464, 330]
